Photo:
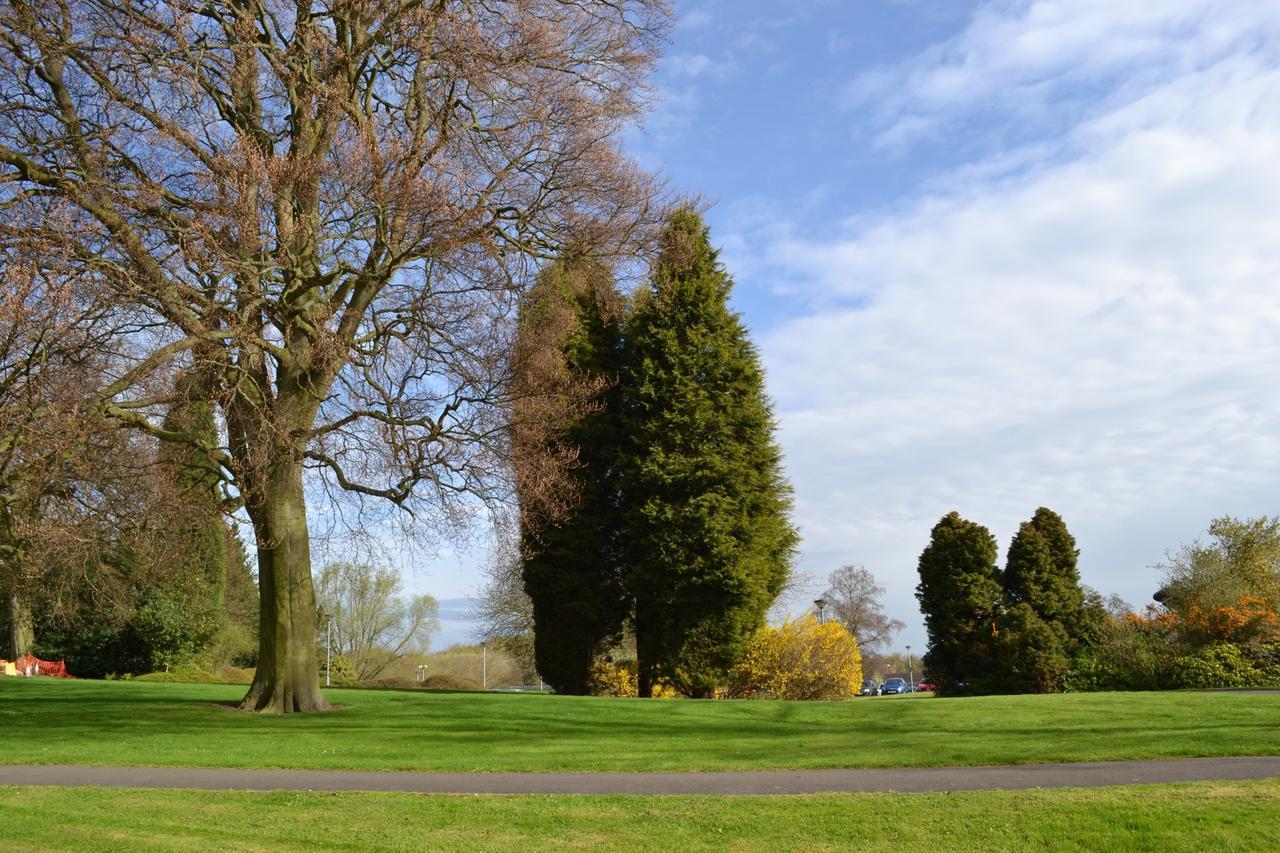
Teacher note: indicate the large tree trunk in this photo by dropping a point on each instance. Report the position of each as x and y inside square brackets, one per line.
[287, 680]
[21, 626]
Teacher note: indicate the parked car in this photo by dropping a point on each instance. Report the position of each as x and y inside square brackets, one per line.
[926, 685]
[869, 688]
[894, 686]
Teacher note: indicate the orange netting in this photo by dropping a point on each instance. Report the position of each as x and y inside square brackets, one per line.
[32, 665]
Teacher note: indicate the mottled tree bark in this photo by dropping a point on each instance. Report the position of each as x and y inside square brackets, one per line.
[285, 680]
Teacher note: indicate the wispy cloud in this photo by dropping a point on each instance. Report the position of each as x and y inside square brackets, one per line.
[1044, 62]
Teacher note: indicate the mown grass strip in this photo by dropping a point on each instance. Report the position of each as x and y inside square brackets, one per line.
[124, 723]
[1220, 816]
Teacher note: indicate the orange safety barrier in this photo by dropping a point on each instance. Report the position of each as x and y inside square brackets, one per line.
[32, 665]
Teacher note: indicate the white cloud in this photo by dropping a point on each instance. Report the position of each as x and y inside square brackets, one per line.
[695, 65]
[1091, 323]
[1040, 61]
[695, 19]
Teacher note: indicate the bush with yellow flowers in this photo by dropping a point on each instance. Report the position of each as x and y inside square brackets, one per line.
[621, 679]
[804, 659]
[613, 679]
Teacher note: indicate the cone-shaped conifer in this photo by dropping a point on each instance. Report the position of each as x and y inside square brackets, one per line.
[709, 540]
[959, 595]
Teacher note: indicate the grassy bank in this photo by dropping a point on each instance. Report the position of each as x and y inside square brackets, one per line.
[1222, 816]
[127, 723]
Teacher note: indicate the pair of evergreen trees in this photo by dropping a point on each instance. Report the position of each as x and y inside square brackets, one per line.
[1015, 631]
[678, 525]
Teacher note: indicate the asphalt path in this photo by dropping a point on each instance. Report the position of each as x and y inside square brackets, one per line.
[904, 779]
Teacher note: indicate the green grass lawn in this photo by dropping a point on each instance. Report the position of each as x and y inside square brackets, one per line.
[129, 723]
[1213, 815]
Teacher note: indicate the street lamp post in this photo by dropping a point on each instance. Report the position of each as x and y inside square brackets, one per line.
[821, 604]
[484, 664]
[911, 675]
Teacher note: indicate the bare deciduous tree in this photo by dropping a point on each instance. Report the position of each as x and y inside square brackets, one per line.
[503, 611]
[854, 596]
[50, 348]
[502, 607]
[325, 211]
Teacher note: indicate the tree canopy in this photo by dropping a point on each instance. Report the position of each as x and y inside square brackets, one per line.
[326, 211]
[854, 597]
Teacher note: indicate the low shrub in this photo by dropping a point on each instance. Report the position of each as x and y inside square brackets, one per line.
[341, 672]
[451, 682]
[195, 675]
[395, 682]
[1217, 665]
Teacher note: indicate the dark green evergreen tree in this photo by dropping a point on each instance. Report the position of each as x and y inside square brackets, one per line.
[1041, 571]
[708, 537]
[1029, 654]
[959, 594]
[196, 525]
[566, 418]
[1046, 624]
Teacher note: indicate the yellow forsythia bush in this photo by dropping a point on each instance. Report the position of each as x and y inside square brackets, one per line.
[610, 679]
[620, 679]
[804, 659]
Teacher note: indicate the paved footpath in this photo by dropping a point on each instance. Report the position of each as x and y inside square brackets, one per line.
[906, 779]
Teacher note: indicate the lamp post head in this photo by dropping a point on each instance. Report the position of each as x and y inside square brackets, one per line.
[821, 604]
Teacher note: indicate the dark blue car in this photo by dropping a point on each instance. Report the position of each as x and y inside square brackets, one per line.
[894, 685]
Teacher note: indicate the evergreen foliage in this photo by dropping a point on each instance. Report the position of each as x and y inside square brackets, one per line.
[570, 341]
[1030, 654]
[167, 585]
[198, 529]
[1041, 571]
[959, 594]
[1045, 624]
[708, 538]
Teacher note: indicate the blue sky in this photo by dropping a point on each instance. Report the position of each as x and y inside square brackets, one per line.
[996, 255]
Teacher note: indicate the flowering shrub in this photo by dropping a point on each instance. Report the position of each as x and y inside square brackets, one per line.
[1249, 618]
[804, 659]
[620, 679]
[342, 672]
[611, 679]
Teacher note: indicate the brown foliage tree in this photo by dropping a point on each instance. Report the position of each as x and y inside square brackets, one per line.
[325, 210]
[51, 346]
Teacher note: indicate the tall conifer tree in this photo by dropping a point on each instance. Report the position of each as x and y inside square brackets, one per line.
[959, 594]
[709, 540]
[567, 366]
[1044, 624]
